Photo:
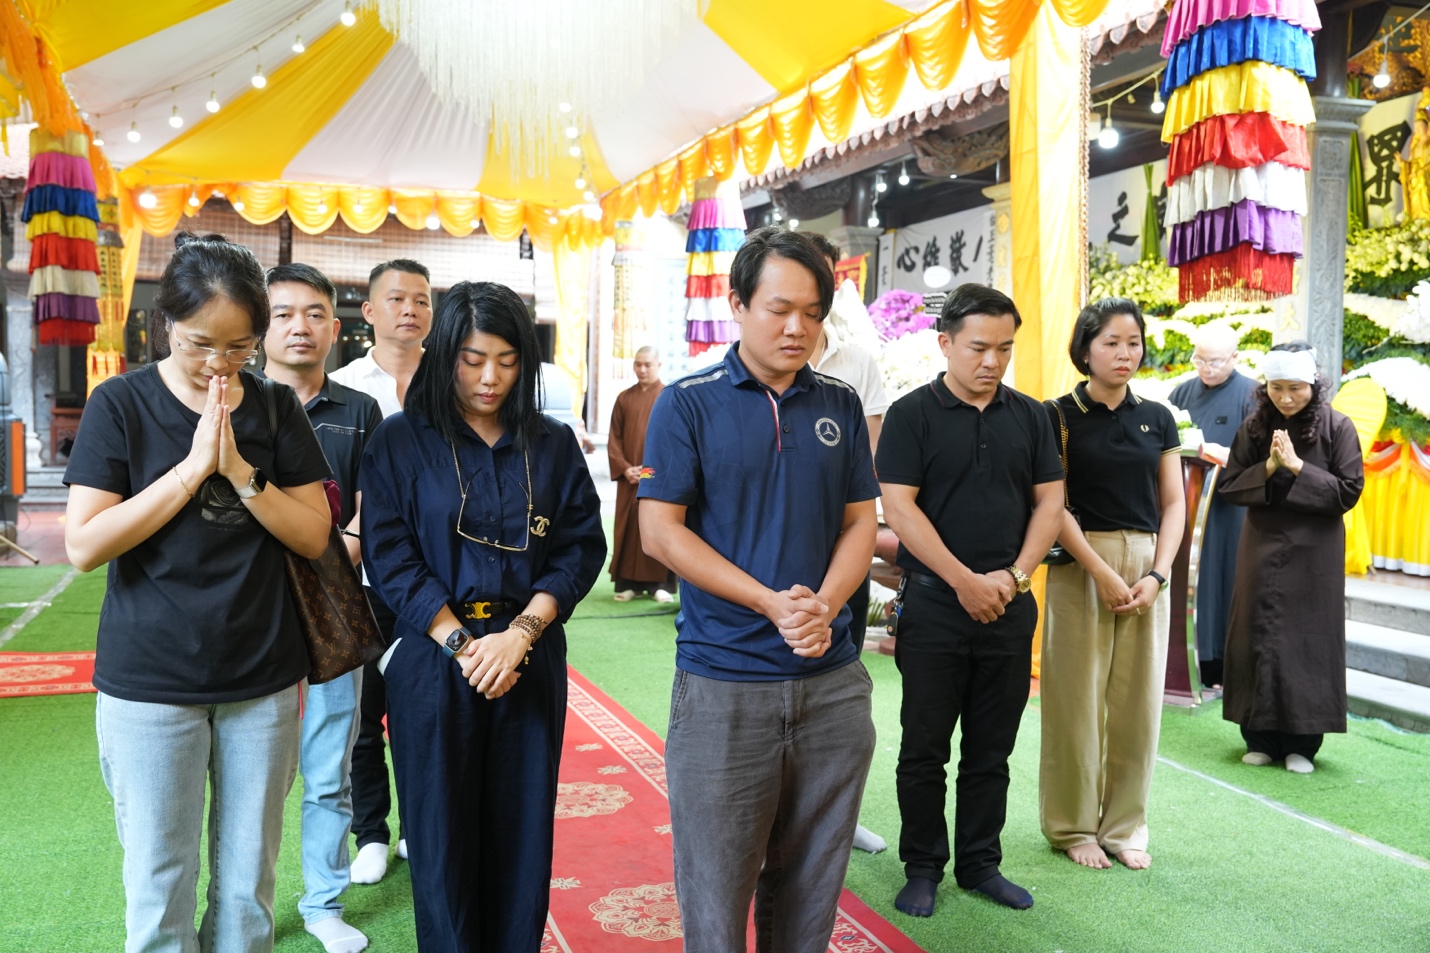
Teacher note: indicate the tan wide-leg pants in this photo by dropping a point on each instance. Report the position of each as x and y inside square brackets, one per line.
[1102, 684]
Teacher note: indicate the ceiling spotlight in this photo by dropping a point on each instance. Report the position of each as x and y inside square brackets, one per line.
[175, 119]
[552, 218]
[953, 175]
[238, 206]
[148, 199]
[259, 80]
[572, 132]
[880, 185]
[588, 195]
[1158, 107]
[1108, 137]
[433, 222]
[476, 223]
[193, 200]
[1382, 77]
[592, 211]
[298, 46]
[98, 139]
[874, 220]
[564, 107]
[357, 208]
[904, 174]
[580, 181]
[322, 208]
[133, 134]
[793, 224]
[212, 105]
[775, 215]
[348, 18]
[392, 209]
[575, 151]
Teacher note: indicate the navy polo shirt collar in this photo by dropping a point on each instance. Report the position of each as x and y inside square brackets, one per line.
[326, 393]
[949, 400]
[740, 376]
[1086, 403]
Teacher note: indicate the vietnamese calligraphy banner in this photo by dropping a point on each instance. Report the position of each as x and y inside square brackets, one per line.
[1384, 131]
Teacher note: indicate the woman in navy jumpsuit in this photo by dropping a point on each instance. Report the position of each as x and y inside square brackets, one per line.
[481, 528]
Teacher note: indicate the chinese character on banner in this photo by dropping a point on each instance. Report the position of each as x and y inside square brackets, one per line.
[908, 261]
[931, 254]
[956, 248]
[1384, 147]
[1121, 212]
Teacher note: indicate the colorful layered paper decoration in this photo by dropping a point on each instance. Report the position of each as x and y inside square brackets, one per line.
[1237, 111]
[61, 219]
[717, 230]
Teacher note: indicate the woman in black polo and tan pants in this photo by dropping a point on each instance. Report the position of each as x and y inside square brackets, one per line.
[1105, 634]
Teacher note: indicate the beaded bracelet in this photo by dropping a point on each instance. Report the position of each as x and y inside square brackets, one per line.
[531, 625]
[182, 483]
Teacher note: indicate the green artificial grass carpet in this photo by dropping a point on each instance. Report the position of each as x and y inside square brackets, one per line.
[1230, 874]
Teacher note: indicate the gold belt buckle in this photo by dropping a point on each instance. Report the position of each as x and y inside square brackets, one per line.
[479, 610]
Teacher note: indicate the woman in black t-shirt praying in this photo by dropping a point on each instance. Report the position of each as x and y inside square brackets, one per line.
[177, 482]
[1105, 631]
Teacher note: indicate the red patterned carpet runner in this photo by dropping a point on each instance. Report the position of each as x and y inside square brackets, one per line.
[612, 885]
[51, 673]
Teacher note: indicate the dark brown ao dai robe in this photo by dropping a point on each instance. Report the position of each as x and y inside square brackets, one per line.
[1285, 665]
[626, 448]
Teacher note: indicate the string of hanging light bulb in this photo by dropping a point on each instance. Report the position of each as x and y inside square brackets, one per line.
[1382, 77]
[519, 63]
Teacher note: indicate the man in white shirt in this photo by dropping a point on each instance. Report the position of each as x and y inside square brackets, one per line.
[399, 308]
[856, 367]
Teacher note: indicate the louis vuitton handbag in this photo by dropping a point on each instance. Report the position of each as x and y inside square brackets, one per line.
[333, 612]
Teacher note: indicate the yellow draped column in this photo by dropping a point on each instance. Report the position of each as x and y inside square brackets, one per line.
[573, 283]
[1048, 128]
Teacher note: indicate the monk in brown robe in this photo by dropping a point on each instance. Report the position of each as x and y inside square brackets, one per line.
[1296, 467]
[631, 569]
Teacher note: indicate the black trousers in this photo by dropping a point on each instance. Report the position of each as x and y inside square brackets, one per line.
[372, 792]
[1278, 744]
[955, 667]
[476, 789]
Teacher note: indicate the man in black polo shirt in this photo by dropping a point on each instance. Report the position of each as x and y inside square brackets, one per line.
[302, 302]
[972, 485]
[757, 488]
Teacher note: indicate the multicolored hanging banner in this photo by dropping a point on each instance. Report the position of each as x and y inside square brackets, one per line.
[62, 223]
[717, 230]
[1237, 111]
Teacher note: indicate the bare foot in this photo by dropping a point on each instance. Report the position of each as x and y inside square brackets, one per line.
[1089, 855]
[1135, 859]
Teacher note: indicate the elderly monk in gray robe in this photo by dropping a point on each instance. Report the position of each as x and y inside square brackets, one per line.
[631, 569]
[1219, 398]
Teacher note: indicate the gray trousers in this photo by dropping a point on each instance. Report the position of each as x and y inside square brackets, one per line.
[765, 781]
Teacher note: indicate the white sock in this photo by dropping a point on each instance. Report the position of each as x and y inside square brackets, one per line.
[402, 848]
[336, 936]
[865, 839]
[369, 866]
[1299, 764]
[1259, 759]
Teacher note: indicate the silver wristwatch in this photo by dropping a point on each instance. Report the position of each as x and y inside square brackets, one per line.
[254, 486]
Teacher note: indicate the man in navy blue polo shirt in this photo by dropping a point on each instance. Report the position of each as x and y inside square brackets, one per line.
[758, 490]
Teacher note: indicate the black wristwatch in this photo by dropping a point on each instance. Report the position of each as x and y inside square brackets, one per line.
[1161, 580]
[458, 640]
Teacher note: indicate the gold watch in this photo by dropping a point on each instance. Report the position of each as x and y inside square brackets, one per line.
[1020, 578]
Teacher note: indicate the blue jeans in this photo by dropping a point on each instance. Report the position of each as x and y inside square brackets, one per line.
[330, 726]
[157, 760]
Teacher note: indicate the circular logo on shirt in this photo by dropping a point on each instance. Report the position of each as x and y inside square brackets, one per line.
[827, 431]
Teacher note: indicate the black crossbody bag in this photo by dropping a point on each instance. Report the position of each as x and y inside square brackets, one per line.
[1058, 556]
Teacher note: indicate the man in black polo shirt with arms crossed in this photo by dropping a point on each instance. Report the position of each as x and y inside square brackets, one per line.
[302, 302]
[758, 491]
[972, 485]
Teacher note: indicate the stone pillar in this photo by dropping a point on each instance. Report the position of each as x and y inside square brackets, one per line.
[854, 240]
[1320, 307]
[1001, 195]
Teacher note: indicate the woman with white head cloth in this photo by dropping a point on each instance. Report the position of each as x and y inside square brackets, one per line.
[1296, 466]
